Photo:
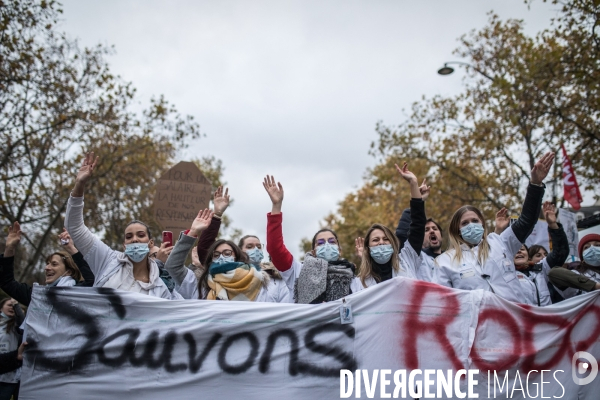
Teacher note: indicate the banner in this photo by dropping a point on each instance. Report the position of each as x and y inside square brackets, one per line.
[570, 187]
[103, 344]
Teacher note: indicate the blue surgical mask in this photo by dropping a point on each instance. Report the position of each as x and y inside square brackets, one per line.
[382, 253]
[591, 256]
[223, 260]
[328, 252]
[136, 251]
[255, 255]
[472, 233]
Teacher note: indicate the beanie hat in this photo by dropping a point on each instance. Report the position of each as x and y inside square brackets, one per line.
[587, 238]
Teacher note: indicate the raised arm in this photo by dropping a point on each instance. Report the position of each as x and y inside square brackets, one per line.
[416, 232]
[403, 228]
[502, 221]
[560, 243]
[532, 205]
[83, 239]
[209, 235]
[280, 256]
[175, 264]
[67, 244]
[18, 291]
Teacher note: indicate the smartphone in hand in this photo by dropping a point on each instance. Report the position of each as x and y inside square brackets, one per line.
[167, 237]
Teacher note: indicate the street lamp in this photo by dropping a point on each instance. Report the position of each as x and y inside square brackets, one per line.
[446, 70]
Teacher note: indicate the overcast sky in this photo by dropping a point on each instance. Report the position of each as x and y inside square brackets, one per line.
[289, 88]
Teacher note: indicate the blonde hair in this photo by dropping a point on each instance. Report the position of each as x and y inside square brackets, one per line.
[456, 240]
[366, 266]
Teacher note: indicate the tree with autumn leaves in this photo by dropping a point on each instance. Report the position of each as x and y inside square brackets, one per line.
[523, 96]
[56, 99]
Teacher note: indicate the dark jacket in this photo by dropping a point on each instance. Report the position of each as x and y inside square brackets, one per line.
[9, 362]
[563, 278]
[206, 239]
[413, 231]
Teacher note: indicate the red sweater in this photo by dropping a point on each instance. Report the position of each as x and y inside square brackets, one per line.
[207, 238]
[280, 255]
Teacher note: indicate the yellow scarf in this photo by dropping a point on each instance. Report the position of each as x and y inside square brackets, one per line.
[240, 284]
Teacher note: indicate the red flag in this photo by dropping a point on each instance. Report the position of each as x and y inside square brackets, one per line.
[571, 188]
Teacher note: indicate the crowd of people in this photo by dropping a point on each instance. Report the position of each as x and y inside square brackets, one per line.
[497, 262]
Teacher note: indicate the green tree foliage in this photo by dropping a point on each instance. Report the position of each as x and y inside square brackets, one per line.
[58, 100]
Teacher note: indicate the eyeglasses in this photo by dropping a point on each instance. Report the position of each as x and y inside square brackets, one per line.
[226, 253]
[321, 242]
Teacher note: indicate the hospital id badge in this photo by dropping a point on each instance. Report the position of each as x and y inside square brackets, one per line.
[346, 313]
[466, 272]
[508, 265]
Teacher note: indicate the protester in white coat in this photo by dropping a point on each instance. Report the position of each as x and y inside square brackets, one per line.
[382, 258]
[227, 276]
[533, 276]
[586, 277]
[478, 260]
[131, 270]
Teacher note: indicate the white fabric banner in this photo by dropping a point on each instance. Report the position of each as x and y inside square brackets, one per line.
[105, 344]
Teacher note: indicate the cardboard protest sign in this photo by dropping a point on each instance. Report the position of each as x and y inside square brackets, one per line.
[180, 193]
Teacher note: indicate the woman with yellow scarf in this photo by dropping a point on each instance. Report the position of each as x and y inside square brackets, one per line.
[228, 275]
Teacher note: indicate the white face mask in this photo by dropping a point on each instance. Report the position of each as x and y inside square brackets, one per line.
[255, 255]
[472, 233]
[328, 252]
[591, 256]
[136, 251]
[223, 259]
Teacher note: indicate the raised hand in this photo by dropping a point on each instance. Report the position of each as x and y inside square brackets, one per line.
[425, 190]
[87, 167]
[202, 221]
[221, 200]
[549, 210]
[360, 246]
[21, 351]
[164, 251]
[541, 168]
[502, 220]
[275, 192]
[408, 176]
[83, 175]
[66, 242]
[13, 239]
[196, 260]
